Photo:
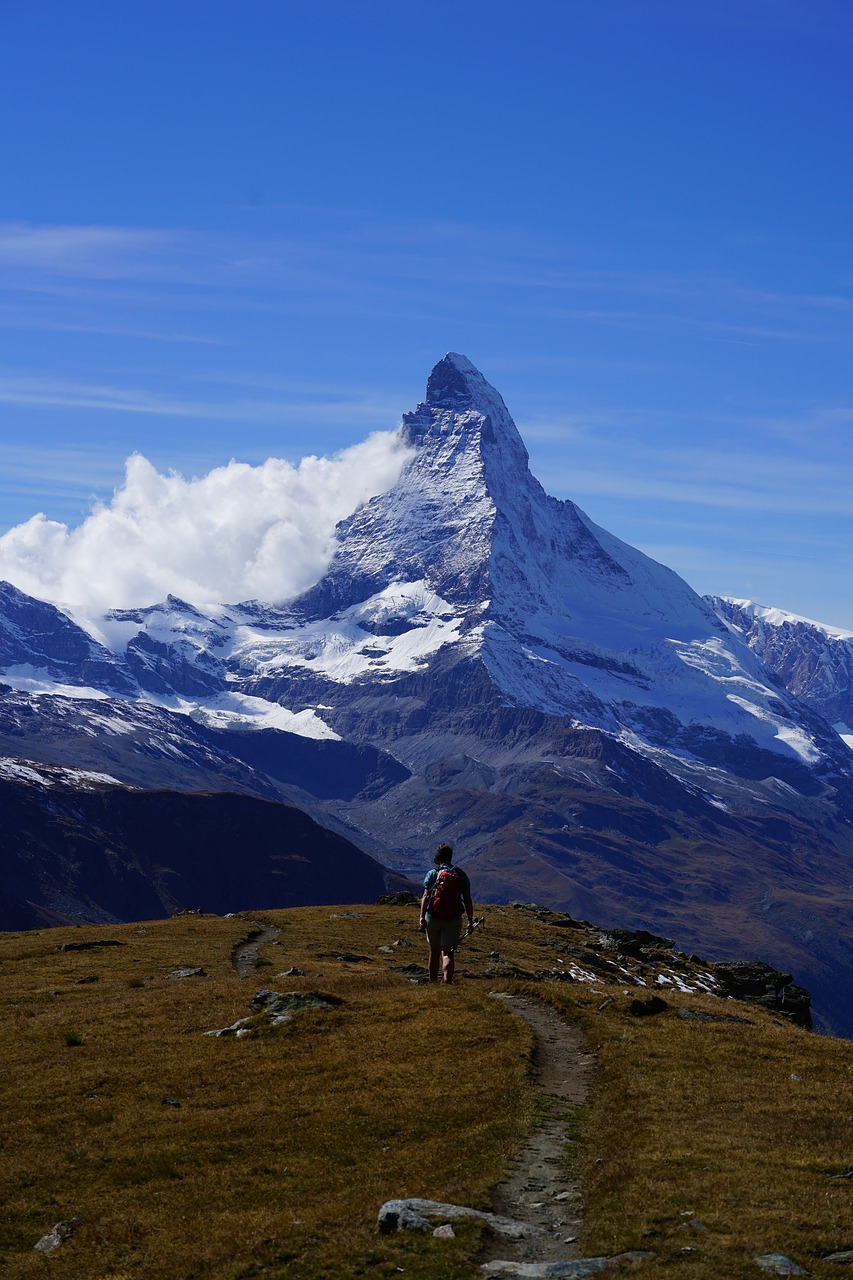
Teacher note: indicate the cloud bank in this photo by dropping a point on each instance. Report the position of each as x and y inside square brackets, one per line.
[240, 532]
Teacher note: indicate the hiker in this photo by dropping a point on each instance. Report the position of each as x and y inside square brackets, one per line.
[446, 898]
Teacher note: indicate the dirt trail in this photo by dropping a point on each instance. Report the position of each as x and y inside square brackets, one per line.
[539, 1189]
[244, 957]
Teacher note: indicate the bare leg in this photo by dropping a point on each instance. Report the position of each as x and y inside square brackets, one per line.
[448, 963]
[434, 961]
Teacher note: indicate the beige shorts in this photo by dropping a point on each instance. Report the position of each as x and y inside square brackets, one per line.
[444, 933]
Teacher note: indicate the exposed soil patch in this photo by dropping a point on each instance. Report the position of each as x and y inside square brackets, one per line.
[541, 1189]
[244, 956]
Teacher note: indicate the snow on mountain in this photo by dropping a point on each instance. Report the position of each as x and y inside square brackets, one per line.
[467, 552]
[464, 557]
[813, 660]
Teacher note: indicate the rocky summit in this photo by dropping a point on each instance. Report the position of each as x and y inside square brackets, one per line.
[500, 672]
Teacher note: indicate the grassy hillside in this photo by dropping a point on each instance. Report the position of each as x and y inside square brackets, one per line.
[287, 1140]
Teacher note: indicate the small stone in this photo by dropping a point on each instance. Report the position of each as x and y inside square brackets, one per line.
[778, 1265]
[61, 1232]
[444, 1232]
[794, 1076]
[845, 1255]
[563, 1195]
[187, 973]
[292, 973]
[170, 1102]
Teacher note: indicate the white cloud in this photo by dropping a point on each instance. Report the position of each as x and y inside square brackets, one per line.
[237, 533]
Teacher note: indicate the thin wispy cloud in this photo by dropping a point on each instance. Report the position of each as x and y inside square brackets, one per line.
[303, 405]
[11, 319]
[421, 263]
[737, 466]
[93, 252]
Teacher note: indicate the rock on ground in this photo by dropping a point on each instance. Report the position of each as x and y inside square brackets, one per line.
[413, 1215]
[57, 1235]
[778, 1265]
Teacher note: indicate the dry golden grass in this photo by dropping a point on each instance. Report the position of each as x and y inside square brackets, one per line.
[286, 1144]
[739, 1126]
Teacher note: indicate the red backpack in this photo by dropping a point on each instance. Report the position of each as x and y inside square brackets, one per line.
[446, 902]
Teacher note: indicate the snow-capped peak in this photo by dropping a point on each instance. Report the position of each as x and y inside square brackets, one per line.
[462, 412]
[777, 617]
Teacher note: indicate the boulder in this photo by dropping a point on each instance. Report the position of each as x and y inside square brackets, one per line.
[647, 1008]
[634, 942]
[414, 1215]
[760, 983]
[280, 1006]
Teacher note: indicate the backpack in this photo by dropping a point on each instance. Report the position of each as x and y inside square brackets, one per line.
[446, 902]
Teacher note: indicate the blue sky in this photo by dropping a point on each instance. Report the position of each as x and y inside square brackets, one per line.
[248, 229]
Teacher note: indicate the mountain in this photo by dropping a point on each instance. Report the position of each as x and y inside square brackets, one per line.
[813, 661]
[76, 846]
[584, 728]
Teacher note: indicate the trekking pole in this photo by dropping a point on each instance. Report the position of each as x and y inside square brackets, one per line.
[479, 923]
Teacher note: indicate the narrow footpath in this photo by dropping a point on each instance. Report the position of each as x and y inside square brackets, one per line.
[541, 1189]
[244, 956]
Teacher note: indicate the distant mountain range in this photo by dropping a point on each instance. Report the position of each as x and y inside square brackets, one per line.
[481, 663]
[813, 661]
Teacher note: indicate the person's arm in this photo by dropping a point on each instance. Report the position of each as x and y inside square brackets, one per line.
[426, 897]
[469, 905]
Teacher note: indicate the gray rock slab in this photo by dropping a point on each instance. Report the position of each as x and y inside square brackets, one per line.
[574, 1270]
[778, 1265]
[401, 1215]
[546, 1270]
